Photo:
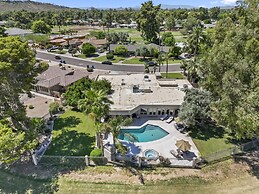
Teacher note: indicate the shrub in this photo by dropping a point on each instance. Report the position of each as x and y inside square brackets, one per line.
[88, 49]
[96, 153]
[31, 107]
[54, 107]
[109, 56]
[120, 50]
[43, 66]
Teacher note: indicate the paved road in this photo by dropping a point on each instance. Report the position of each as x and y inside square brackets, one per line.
[114, 67]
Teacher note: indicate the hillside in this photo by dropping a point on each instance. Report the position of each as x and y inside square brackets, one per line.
[6, 6]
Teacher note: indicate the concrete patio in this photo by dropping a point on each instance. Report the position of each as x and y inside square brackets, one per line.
[164, 145]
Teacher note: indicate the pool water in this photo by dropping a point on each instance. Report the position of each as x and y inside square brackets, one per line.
[146, 133]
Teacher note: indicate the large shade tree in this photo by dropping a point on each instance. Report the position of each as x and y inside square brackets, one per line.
[147, 21]
[230, 72]
[17, 73]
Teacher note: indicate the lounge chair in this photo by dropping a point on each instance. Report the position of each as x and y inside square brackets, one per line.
[165, 117]
[176, 154]
[170, 119]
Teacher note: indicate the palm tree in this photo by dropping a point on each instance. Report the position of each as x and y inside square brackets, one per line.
[195, 39]
[166, 57]
[159, 61]
[115, 125]
[96, 104]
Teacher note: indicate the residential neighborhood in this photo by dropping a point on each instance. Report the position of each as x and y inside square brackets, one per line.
[139, 97]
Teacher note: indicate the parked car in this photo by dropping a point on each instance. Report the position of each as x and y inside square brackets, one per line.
[180, 127]
[107, 62]
[151, 63]
[52, 48]
[57, 57]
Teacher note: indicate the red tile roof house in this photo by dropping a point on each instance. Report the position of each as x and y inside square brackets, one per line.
[55, 80]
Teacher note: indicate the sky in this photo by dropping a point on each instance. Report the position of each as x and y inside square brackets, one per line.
[134, 3]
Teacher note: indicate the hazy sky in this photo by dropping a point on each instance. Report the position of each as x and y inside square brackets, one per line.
[133, 3]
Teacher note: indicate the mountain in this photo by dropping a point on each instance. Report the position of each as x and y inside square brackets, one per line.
[6, 6]
[165, 6]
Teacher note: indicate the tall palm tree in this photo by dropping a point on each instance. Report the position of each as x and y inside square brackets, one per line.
[96, 103]
[195, 39]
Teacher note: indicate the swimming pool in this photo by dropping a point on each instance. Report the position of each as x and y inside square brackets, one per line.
[146, 133]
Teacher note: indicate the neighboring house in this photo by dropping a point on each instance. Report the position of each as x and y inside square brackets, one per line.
[97, 43]
[2, 23]
[133, 47]
[145, 94]
[17, 32]
[55, 80]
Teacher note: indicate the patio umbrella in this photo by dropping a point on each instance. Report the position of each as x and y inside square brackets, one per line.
[183, 145]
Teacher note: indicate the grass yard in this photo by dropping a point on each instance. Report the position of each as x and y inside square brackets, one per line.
[82, 56]
[134, 60]
[210, 140]
[115, 60]
[174, 75]
[224, 177]
[73, 135]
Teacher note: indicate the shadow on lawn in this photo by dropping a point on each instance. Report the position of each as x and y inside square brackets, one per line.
[68, 122]
[71, 143]
[207, 132]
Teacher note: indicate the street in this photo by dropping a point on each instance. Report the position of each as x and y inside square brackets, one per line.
[115, 67]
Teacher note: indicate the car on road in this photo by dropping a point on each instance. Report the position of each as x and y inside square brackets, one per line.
[52, 48]
[57, 57]
[107, 62]
[151, 63]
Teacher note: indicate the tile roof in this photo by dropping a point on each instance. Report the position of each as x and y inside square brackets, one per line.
[55, 75]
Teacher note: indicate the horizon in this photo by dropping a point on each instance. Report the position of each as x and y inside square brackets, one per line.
[137, 3]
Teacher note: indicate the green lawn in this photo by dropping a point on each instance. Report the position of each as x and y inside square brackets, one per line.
[82, 56]
[211, 139]
[115, 60]
[174, 75]
[73, 135]
[134, 60]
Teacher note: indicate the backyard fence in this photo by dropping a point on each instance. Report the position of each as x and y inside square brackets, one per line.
[232, 151]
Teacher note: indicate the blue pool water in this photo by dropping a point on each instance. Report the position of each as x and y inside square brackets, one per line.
[144, 134]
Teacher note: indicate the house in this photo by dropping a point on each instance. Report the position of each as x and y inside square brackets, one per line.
[17, 32]
[144, 94]
[56, 79]
[97, 43]
[133, 47]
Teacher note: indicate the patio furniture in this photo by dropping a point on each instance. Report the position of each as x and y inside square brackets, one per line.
[183, 145]
[176, 154]
[169, 120]
[165, 117]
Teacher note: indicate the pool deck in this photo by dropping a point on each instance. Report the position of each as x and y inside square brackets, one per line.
[164, 145]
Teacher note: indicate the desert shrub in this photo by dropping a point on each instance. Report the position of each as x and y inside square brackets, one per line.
[109, 56]
[95, 154]
[31, 107]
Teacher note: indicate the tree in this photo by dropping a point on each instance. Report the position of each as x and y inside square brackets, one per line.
[41, 27]
[98, 34]
[114, 125]
[168, 39]
[120, 50]
[95, 103]
[2, 31]
[195, 39]
[230, 72]
[54, 108]
[196, 107]
[17, 73]
[144, 52]
[88, 49]
[170, 22]
[123, 36]
[147, 21]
